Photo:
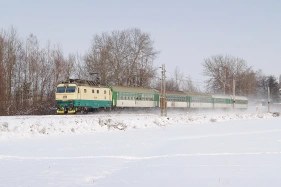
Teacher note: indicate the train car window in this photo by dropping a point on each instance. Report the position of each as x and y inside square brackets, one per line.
[98, 91]
[85, 90]
[70, 89]
[78, 90]
[93, 91]
[60, 89]
[104, 92]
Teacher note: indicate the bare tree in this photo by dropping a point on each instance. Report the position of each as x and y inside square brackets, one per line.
[190, 86]
[140, 60]
[222, 70]
[79, 68]
[176, 81]
[11, 48]
[263, 83]
[2, 75]
[122, 58]
[274, 89]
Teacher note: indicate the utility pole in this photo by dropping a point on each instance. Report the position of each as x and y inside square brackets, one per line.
[164, 87]
[163, 104]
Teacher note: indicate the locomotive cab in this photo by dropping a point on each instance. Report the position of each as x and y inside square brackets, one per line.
[65, 96]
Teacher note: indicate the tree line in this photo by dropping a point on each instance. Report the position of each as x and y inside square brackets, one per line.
[30, 73]
[223, 70]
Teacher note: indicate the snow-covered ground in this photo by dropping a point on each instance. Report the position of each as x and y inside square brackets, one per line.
[141, 148]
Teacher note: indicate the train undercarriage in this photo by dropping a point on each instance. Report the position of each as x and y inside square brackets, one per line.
[70, 109]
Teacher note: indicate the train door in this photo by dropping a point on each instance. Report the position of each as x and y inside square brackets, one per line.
[79, 95]
[156, 100]
[114, 98]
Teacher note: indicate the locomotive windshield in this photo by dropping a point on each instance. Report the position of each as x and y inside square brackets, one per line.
[70, 89]
[60, 89]
[63, 89]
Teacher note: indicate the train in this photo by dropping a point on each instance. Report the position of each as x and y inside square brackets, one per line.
[78, 95]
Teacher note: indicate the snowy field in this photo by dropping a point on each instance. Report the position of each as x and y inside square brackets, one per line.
[141, 148]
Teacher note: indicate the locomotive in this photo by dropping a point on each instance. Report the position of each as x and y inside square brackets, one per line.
[77, 95]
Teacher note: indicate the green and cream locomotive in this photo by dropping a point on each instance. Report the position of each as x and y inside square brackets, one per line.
[82, 96]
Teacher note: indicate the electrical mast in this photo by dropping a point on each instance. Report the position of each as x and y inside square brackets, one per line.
[163, 103]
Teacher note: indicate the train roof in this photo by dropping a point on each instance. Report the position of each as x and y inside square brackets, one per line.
[221, 96]
[230, 97]
[83, 82]
[133, 89]
[240, 97]
[197, 94]
[169, 92]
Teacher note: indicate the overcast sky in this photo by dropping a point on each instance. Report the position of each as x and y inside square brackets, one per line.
[186, 32]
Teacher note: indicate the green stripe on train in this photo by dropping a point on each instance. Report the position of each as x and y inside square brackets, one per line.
[86, 103]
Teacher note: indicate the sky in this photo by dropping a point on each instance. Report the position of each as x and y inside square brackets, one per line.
[184, 31]
[142, 149]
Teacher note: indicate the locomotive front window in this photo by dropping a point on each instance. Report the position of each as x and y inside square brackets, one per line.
[60, 89]
[70, 89]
